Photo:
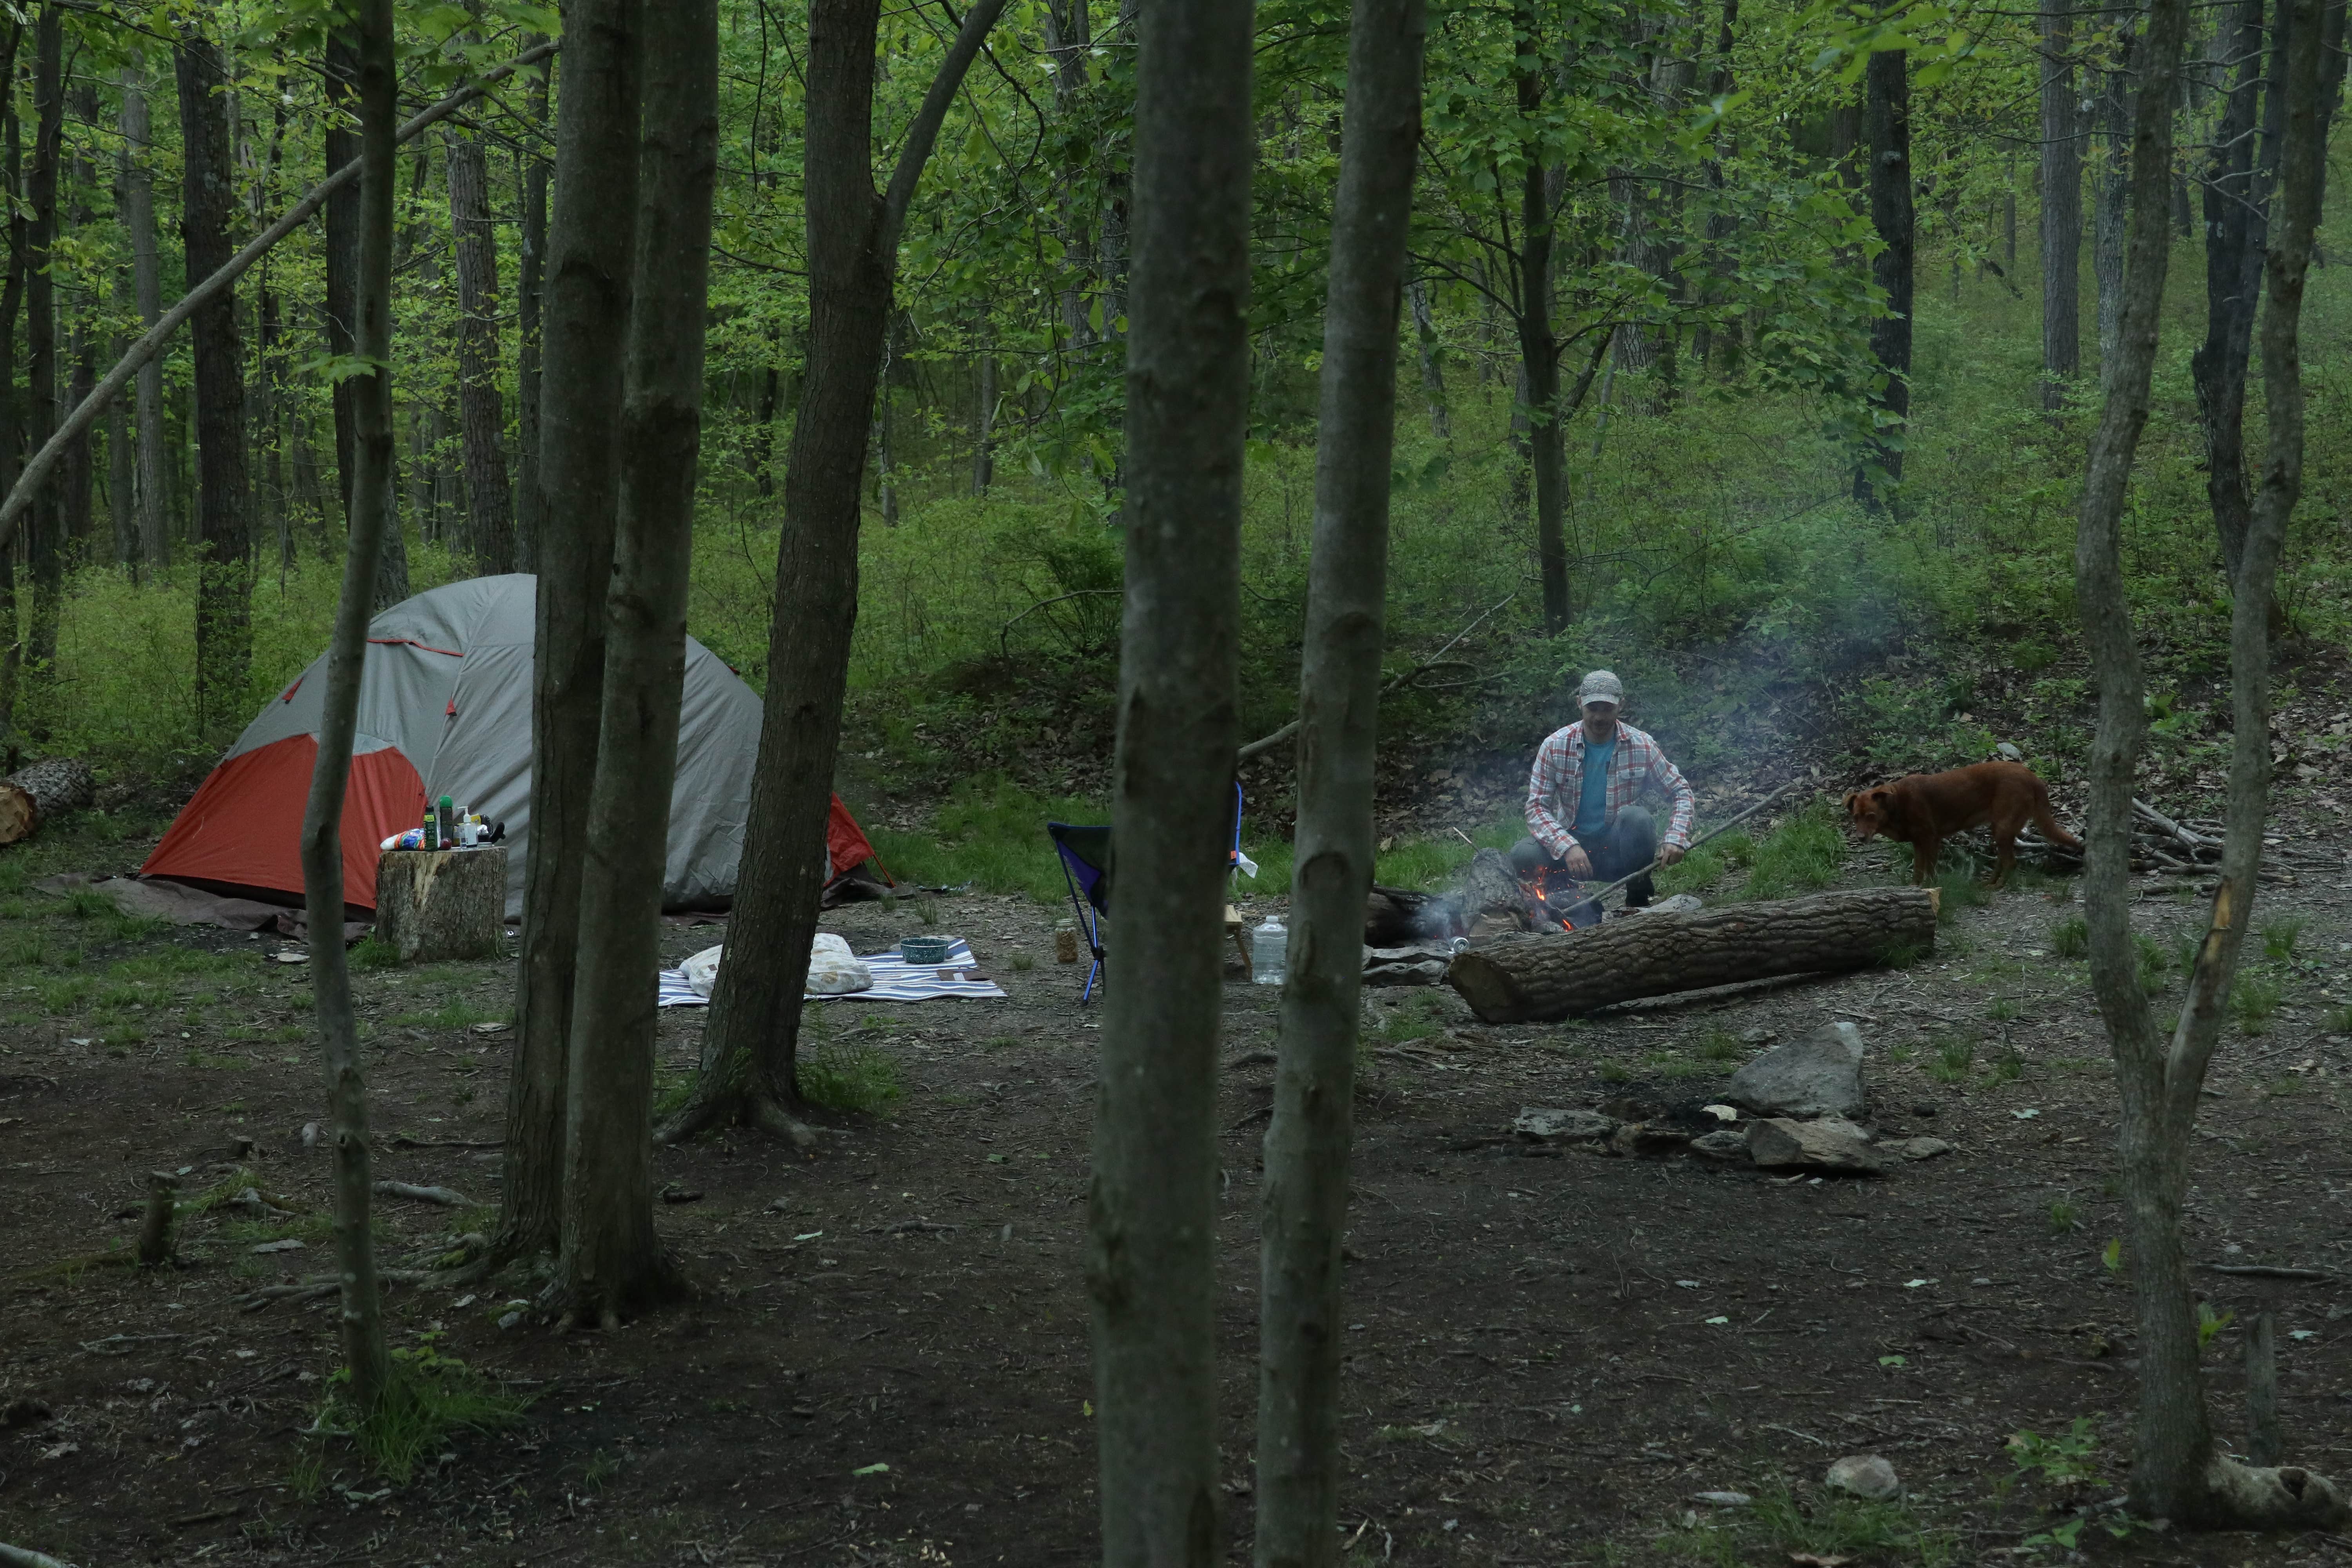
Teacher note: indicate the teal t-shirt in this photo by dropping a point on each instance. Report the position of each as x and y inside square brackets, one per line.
[1592, 799]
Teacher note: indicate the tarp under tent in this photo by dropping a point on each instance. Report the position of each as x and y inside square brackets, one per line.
[445, 709]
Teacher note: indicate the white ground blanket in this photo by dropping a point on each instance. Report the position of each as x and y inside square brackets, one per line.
[895, 980]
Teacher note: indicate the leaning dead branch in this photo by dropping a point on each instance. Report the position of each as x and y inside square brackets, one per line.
[151, 344]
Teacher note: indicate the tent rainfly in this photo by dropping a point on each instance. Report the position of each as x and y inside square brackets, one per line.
[445, 709]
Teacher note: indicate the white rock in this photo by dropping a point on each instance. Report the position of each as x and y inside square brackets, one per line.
[1864, 1476]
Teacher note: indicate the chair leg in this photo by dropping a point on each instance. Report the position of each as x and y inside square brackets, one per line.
[1084, 996]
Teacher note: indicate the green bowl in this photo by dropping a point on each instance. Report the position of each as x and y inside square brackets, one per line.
[925, 950]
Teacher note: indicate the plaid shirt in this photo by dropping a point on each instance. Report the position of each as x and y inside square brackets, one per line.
[1555, 785]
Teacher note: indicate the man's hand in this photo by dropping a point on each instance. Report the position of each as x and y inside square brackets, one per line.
[1578, 864]
[1670, 855]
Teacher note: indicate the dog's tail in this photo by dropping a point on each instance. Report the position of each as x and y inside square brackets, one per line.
[2048, 823]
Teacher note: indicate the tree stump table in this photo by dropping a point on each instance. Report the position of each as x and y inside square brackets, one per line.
[442, 903]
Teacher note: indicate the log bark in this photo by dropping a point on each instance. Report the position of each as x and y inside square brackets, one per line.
[1309, 1138]
[591, 258]
[40, 791]
[1544, 975]
[365, 1355]
[442, 903]
[612, 1260]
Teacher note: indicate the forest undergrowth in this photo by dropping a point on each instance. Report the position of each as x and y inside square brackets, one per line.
[1720, 566]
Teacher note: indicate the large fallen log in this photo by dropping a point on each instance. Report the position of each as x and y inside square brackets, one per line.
[41, 791]
[1552, 975]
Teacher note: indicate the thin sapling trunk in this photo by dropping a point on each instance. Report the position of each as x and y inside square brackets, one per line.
[1303, 1309]
[322, 847]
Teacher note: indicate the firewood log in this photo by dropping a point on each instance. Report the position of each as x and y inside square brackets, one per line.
[42, 789]
[1545, 975]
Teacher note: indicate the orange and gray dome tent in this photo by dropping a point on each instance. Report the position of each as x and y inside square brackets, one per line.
[445, 709]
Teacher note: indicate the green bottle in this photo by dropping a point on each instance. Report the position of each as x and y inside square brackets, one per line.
[449, 830]
[432, 839]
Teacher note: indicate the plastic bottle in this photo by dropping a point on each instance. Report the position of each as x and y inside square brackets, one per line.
[432, 839]
[1269, 945]
[448, 823]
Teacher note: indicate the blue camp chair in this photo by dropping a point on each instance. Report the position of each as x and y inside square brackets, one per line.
[1084, 852]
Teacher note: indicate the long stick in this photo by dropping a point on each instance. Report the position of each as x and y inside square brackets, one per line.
[151, 341]
[1710, 833]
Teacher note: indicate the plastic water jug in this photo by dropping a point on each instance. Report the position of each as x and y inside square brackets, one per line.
[1269, 945]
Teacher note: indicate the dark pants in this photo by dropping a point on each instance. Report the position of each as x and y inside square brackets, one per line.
[1629, 842]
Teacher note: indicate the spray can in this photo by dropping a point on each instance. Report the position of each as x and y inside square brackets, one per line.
[432, 838]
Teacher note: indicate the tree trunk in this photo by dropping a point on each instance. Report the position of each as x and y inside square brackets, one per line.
[2176, 1473]
[436, 904]
[984, 449]
[2062, 209]
[1069, 37]
[78, 485]
[146, 282]
[481, 411]
[342, 238]
[612, 1260]
[759, 449]
[45, 533]
[748, 1045]
[591, 256]
[1888, 113]
[530, 507]
[1152, 1224]
[1305, 1207]
[2111, 190]
[323, 849]
[1516, 979]
[12, 416]
[121, 459]
[1433, 374]
[1538, 349]
[223, 535]
[2237, 201]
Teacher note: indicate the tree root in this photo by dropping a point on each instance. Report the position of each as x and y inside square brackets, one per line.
[739, 1104]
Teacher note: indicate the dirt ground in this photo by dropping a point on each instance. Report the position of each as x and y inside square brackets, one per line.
[1550, 1354]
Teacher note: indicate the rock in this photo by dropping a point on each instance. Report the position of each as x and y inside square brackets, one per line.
[23, 1411]
[1864, 1476]
[1818, 1075]
[1547, 1126]
[1723, 1500]
[1727, 1146]
[1916, 1148]
[1777, 1143]
[1647, 1140]
[1680, 904]
[1756, 1034]
[1925, 1109]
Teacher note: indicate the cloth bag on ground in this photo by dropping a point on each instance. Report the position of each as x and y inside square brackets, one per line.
[833, 968]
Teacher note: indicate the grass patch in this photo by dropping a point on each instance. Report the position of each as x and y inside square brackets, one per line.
[1831, 1524]
[2340, 1021]
[2252, 1000]
[2071, 938]
[429, 1398]
[2008, 1067]
[1955, 1054]
[175, 963]
[1720, 1044]
[2154, 962]
[1801, 855]
[2002, 1009]
[2064, 1217]
[2280, 938]
[1695, 873]
[372, 952]
[846, 1076]
[1960, 890]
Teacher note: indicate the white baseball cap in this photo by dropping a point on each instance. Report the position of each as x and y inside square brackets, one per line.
[1601, 686]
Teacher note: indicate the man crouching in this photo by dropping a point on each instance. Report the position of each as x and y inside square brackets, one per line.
[1580, 796]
